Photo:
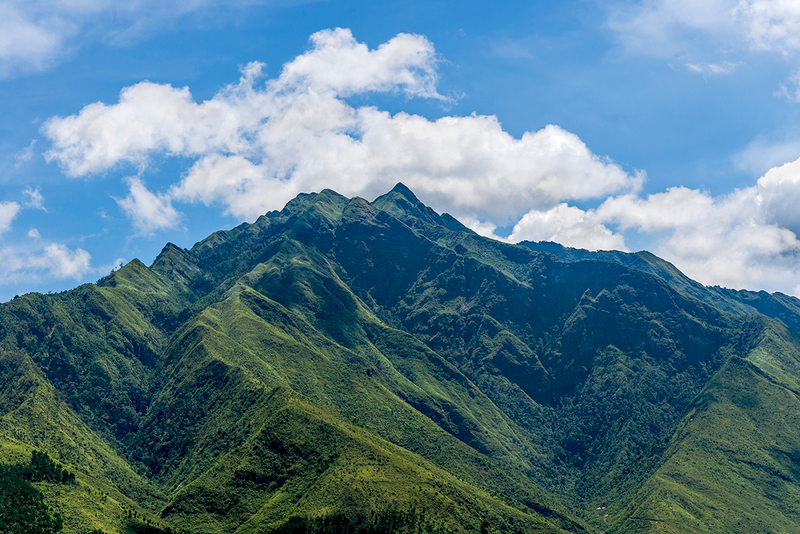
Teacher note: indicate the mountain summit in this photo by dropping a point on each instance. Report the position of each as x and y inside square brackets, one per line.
[352, 366]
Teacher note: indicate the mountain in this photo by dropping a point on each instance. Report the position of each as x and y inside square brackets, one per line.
[353, 366]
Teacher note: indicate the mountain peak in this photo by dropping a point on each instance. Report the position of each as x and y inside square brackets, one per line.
[401, 189]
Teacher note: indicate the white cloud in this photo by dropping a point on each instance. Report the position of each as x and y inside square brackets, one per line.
[8, 211]
[762, 154]
[790, 90]
[670, 27]
[26, 45]
[257, 148]
[568, 225]
[53, 261]
[33, 233]
[61, 262]
[35, 35]
[111, 267]
[770, 24]
[736, 240]
[32, 198]
[147, 211]
[726, 67]
[746, 239]
[24, 155]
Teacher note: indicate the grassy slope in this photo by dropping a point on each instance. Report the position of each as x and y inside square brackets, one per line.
[424, 359]
[306, 460]
[785, 308]
[731, 465]
[249, 342]
[596, 360]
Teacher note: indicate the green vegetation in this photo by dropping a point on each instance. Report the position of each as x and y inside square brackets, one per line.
[346, 366]
[22, 506]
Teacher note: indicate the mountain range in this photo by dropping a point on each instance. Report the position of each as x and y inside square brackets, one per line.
[352, 366]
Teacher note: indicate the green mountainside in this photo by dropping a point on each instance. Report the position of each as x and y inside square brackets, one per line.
[347, 366]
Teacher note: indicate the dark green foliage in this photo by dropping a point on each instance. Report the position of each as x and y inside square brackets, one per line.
[347, 366]
[22, 506]
[386, 522]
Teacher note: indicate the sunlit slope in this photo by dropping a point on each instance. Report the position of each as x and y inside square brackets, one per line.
[732, 463]
[307, 460]
[32, 415]
[247, 344]
[369, 360]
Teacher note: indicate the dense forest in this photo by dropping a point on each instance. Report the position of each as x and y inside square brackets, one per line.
[353, 366]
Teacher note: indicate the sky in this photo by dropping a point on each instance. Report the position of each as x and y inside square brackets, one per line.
[663, 125]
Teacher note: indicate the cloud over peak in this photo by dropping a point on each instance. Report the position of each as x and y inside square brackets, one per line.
[258, 144]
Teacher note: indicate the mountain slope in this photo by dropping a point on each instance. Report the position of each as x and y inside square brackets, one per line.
[731, 464]
[776, 305]
[351, 361]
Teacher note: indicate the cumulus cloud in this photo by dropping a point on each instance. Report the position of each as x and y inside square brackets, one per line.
[32, 198]
[148, 211]
[568, 225]
[256, 147]
[8, 210]
[746, 239]
[52, 261]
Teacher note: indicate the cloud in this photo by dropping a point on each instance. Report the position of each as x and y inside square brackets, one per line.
[258, 147]
[111, 267]
[726, 67]
[669, 27]
[790, 90]
[33, 233]
[61, 262]
[8, 211]
[772, 25]
[52, 261]
[25, 43]
[568, 225]
[32, 198]
[35, 35]
[147, 211]
[745, 239]
[24, 155]
[762, 154]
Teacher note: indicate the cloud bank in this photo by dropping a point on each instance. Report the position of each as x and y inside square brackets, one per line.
[257, 144]
[258, 147]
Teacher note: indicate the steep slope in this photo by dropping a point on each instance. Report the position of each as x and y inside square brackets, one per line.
[778, 306]
[731, 464]
[348, 361]
[165, 366]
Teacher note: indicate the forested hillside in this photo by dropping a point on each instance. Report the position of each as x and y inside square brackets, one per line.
[347, 366]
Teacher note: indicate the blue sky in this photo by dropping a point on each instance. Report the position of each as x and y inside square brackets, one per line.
[664, 125]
